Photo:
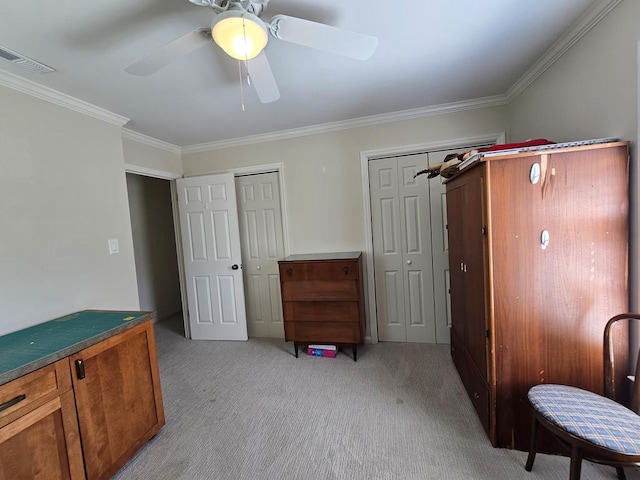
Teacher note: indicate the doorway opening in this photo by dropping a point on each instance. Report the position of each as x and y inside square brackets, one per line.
[155, 250]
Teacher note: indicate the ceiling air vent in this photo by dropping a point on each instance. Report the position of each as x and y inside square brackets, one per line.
[24, 62]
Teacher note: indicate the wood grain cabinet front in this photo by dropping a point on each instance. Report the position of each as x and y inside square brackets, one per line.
[538, 255]
[117, 391]
[84, 415]
[322, 298]
[38, 427]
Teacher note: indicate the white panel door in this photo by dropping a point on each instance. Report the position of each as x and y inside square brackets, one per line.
[211, 246]
[402, 249]
[262, 243]
[440, 249]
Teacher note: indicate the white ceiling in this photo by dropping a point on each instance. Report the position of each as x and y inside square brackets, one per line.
[430, 53]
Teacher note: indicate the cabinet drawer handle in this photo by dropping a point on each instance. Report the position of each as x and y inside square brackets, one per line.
[80, 369]
[289, 271]
[12, 402]
[476, 395]
[345, 270]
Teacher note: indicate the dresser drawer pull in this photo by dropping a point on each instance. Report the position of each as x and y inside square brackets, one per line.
[12, 402]
[290, 271]
[80, 369]
[345, 270]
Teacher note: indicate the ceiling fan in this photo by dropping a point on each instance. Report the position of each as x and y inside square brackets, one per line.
[239, 31]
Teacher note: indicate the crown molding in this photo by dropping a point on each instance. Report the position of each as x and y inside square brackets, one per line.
[353, 123]
[150, 141]
[34, 89]
[591, 18]
[585, 23]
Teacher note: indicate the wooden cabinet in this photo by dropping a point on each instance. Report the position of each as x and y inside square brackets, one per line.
[538, 264]
[117, 391]
[87, 413]
[38, 427]
[322, 299]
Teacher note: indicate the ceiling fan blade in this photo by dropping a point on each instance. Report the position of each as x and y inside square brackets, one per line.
[262, 79]
[170, 52]
[323, 37]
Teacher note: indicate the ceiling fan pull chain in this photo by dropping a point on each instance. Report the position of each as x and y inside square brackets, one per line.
[246, 60]
[241, 89]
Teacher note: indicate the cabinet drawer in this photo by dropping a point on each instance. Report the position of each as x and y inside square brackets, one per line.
[320, 290]
[32, 390]
[325, 332]
[472, 381]
[43, 443]
[338, 270]
[321, 311]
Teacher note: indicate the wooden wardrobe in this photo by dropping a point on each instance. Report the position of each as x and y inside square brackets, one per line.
[538, 255]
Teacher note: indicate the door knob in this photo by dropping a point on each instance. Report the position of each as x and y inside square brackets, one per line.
[408, 262]
[234, 266]
[258, 267]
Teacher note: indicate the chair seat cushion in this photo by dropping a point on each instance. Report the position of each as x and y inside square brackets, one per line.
[589, 416]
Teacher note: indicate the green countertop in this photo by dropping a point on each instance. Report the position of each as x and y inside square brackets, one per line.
[27, 350]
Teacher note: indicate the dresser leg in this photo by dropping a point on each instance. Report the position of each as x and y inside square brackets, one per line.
[355, 352]
[295, 348]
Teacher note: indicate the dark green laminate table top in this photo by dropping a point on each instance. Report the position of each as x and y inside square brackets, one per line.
[27, 350]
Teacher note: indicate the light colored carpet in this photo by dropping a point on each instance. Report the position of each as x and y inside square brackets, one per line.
[251, 410]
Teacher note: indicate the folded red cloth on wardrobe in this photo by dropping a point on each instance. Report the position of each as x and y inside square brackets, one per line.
[511, 146]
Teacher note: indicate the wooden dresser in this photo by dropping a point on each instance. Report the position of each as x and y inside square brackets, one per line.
[538, 255]
[322, 299]
[79, 395]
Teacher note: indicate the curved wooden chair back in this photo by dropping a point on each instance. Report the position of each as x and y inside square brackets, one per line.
[592, 426]
[612, 359]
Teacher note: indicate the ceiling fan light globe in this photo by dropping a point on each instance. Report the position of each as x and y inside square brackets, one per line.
[241, 35]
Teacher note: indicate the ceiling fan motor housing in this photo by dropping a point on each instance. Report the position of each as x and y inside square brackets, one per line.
[252, 6]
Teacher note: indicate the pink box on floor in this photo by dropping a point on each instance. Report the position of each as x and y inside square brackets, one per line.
[322, 351]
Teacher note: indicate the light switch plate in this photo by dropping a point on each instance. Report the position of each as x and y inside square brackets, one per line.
[114, 247]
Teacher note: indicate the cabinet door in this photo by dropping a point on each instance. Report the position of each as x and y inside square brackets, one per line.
[118, 398]
[43, 444]
[475, 271]
[465, 205]
[552, 300]
[455, 230]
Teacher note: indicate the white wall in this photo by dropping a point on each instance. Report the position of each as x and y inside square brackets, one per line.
[590, 92]
[144, 157]
[62, 196]
[322, 173]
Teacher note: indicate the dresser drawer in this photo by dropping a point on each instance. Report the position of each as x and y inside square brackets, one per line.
[338, 270]
[321, 311]
[320, 290]
[32, 390]
[323, 332]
